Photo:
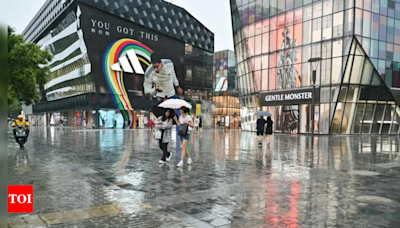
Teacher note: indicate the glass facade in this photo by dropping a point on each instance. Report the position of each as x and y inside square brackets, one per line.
[357, 41]
[225, 93]
[198, 78]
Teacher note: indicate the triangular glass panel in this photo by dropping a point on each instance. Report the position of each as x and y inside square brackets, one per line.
[365, 109]
[376, 79]
[367, 73]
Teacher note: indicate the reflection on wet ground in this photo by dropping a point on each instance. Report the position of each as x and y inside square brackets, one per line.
[111, 178]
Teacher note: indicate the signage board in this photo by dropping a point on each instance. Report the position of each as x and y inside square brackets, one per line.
[289, 97]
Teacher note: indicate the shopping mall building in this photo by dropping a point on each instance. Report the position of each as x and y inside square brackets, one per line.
[357, 77]
[89, 37]
[225, 91]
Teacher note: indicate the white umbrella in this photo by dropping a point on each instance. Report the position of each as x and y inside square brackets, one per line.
[175, 104]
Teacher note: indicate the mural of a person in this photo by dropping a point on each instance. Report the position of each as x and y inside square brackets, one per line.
[160, 78]
[288, 76]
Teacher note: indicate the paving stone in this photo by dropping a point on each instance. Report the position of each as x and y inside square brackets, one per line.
[112, 179]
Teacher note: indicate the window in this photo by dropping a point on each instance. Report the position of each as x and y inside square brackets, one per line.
[348, 23]
[327, 27]
[338, 24]
[375, 6]
[289, 4]
[316, 28]
[327, 7]
[317, 9]
[358, 25]
[366, 45]
[265, 43]
[338, 5]
[337, 48]
[265, 9]
[383, 7]
[307, 14]
[390, 30]
[273, 7]
[397, 32]
[367, 24]
[298, 16]
[281, 6]
[367, 5]
[375, 26]
[265, 26]
[258, 47]
[382, 28]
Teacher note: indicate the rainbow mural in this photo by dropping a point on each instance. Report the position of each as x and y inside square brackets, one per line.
[115, 80]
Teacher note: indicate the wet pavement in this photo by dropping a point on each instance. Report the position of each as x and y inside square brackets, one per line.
[111, 178]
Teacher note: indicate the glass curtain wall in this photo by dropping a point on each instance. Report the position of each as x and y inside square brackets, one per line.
[275, 39]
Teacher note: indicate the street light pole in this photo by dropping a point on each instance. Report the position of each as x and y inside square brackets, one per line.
[314, 78]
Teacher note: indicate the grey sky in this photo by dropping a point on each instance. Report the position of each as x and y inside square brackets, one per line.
[214, 14]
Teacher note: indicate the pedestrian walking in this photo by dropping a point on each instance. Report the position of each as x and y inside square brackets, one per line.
[268, 131]
[164, 124]
[200, 124]
[292, 126]
[137, 123]
[185, 121]
[260, 129]
[84, 123]
[151, 123]
[196, 123]
[60, 123]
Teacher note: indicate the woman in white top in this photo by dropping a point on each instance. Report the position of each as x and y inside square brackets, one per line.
[184, 119]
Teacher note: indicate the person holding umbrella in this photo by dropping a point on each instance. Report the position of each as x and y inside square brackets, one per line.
[184, 119]
[164, 124]
[261, 124]
[260, 129]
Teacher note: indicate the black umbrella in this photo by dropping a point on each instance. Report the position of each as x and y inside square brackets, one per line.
[158, 111]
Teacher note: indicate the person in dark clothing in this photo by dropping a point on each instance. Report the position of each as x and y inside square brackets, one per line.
[164, 123]
[260, 129]
[200, 124]
[137, 123]
[268, 131]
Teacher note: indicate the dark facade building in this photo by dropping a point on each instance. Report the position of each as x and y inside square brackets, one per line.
[357, 78]
[89, 37]
[226, 93]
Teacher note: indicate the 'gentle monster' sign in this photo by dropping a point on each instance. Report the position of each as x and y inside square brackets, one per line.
[290, 96]
[287, 97]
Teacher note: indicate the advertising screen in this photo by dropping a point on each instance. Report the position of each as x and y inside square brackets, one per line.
[120, 50]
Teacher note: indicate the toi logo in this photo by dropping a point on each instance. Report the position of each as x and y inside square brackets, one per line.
[20, 199]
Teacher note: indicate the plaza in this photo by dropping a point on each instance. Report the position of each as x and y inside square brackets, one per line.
[111, 178]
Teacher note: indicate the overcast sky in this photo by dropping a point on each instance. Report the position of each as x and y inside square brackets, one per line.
[214, 14]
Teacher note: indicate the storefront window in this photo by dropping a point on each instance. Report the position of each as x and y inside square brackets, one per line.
[357, 124]
[368, 118]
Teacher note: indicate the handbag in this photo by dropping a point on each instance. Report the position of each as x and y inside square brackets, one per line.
[183, 129]
[158, 134]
